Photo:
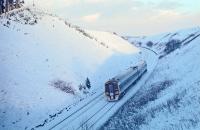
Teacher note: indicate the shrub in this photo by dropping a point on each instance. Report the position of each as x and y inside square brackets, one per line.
[149, 43]
[81, 87]
[152, 93]
[139, 43]
[172, 45]
[64, 86]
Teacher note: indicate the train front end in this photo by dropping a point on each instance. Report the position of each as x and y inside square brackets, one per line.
[112, 90]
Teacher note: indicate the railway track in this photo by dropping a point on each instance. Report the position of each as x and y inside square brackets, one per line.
[94, 117]
[106, 106]
[91, 126]
[90, 103]
[94, 112]
[86, 115]
[116, 105]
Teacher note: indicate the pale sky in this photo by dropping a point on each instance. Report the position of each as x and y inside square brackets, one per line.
[127, 17]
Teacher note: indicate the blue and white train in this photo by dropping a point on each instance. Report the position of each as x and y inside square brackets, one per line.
[116, 87]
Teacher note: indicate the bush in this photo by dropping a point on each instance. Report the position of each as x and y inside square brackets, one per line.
[172, 45]
[81, 87]
[149, 43]
[139, 43]
[64, 86]
[152, 93]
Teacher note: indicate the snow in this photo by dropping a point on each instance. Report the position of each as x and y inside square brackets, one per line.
[112, 40]
[173, 105]
[37, 48]
[159, 41]
[99, 110]
[187, 73]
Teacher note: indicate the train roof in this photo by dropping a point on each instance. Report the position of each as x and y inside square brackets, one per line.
[120, 77]
[125, 73]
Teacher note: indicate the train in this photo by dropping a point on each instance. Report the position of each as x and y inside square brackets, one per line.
[116, 87]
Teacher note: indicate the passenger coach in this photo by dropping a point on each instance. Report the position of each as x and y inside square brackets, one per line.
[116, 87]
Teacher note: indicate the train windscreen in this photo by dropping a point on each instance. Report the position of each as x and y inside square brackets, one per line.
[111, 88]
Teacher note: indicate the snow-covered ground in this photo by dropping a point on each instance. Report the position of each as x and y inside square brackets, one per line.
[170, 99]
[37, 49]
[99, 110]
[159, 42]
[44, 59]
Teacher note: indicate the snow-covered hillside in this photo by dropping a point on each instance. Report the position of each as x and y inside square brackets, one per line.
[39, 51]
[170, 99]
[164, 43]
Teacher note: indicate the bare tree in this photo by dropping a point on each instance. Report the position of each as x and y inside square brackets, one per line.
[17, 3]
[10, 5]
[1, 6]
[7, 4]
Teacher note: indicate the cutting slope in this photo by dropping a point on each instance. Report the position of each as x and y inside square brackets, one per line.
[38, 48]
